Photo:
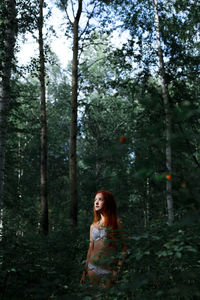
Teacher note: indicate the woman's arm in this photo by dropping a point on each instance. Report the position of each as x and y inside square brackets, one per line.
[91, 245]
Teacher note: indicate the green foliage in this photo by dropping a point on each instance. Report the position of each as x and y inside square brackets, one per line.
[162, 262]
[58, 108]
[28, 12]
[37, 267]
[22, 176]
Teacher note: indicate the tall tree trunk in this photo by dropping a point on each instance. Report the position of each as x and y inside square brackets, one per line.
[43, 163]
[146, 204]
[19, 158]
[165, 96]
[73, 121]
[6, 55]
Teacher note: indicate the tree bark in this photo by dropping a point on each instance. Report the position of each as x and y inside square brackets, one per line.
[43, 163]
[7, 53]
[165, 96]
[73, 121]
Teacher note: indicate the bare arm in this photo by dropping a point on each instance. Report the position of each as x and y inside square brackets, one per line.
[91, 245]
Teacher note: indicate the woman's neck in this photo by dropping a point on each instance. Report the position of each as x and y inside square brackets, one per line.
[101, 221]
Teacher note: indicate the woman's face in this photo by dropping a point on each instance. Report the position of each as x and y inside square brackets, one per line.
[98, 202]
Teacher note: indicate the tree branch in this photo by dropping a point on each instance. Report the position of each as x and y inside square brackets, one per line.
[65, 9]
[94, 62]
[88, 21]
[72, 4]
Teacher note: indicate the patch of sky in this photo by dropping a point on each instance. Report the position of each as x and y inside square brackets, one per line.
[59, 39]
[28, 46]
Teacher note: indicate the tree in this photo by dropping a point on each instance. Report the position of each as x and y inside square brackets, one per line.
[43, 166]
[77, 34]
[73, 122]
[7, 40]
[165, 96]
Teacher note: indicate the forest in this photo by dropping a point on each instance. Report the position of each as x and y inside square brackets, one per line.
[123, 116]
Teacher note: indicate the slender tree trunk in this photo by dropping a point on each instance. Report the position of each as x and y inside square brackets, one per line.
[43, 163]
[146, 208]
[19, 158]
[6, 55]
[73, 121]
[165, 96]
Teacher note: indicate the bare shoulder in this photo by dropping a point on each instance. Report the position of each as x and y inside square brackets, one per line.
[92, 225]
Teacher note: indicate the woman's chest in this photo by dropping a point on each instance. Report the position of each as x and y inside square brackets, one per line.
[98, 234]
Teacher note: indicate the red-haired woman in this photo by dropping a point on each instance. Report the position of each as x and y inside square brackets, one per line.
[101, 262]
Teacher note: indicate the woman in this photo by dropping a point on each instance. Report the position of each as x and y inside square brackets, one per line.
[101, 263]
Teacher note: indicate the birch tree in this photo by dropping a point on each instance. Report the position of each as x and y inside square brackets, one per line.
[8, 32]
[165, 97]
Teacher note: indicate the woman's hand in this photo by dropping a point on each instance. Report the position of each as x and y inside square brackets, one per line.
[83, 277]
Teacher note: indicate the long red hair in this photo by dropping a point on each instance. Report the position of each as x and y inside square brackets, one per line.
[109, 210]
